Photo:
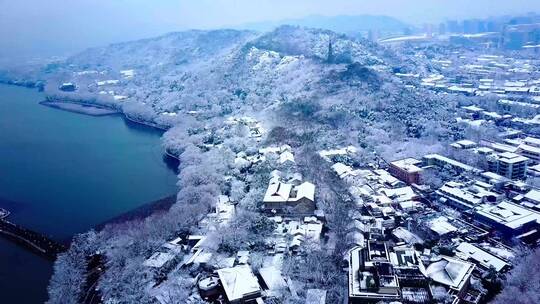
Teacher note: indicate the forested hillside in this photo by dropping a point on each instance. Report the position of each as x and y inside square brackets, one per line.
[308, 88]
[336, 80]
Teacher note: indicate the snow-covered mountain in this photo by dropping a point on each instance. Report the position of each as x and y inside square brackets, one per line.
[222, 72]
[173, 49]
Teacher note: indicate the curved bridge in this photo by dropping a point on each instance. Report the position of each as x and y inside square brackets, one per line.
[32, 240]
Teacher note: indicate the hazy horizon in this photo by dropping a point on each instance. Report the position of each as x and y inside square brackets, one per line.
[53, 27]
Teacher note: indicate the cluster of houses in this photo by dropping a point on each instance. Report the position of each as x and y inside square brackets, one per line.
[282, 156]
[412, 243]
[219, 277]
[411, 239]
[289, 195]
[103, 87]
[224, 278]
[515, 81]
[477, 116]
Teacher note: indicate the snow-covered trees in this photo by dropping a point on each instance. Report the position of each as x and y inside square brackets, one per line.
[523, 282]
[68, 280]
[189, 81]
[248, 231]
[139, 111]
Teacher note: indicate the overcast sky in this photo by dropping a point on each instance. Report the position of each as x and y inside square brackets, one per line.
[56, 26]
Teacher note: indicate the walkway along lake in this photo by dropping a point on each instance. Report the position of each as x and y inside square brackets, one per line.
[62, 173]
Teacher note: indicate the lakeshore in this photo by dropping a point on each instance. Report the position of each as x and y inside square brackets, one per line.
[140, 213]
[80, 108]
[65, 173]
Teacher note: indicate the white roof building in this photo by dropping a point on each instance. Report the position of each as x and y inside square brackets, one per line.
[441, 226]
[465, 144]
[280, 195]
[326, 154]
[533, 196]
[305, 190]
[534, 170]
[485, 259]
[272, 278]
[512, 158]
[239, 283]
[128, 73]
[464, 197]
[472, 108]
[278, 192]
[451, 272]
[342, 170]
[402, 194]
[270, 150]
[407, 236]
[410, 165]
[511, 217]
[108, 82]
[439, 160]
[286, 157]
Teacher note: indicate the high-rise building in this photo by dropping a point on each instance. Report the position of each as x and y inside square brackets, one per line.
[428, 30]
[470, 26]
[452, 26]
[493, 26]
[442, 29]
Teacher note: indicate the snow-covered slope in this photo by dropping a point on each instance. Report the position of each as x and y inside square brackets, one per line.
[226, 71]
[172, 49]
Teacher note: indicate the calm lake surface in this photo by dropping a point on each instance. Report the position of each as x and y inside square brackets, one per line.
[61, 173]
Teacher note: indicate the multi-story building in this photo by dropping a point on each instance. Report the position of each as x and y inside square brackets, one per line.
[465, 197]
[530, 147]
[509, 165]
[510, 219]
[407, 170]
[442, 161]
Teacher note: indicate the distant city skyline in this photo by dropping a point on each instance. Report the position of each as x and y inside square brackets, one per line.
[54, 27]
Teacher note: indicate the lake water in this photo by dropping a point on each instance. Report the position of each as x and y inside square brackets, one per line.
[62, 173]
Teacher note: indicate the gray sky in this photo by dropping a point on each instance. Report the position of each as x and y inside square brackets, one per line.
[29, 27]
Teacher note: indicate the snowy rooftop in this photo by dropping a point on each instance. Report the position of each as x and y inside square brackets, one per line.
[286, 157]
[450, 161]
[533, 195]
[480, 256]
[272, 278]
[532, 141]
[408, 164]
[342, 170]
[511, 215]
[472, 108]
[278, 192]
[108, 82]
[441, 226]
[512, 158]
[238, 282]
[407, 236]
[450, 272]
[400, 194]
